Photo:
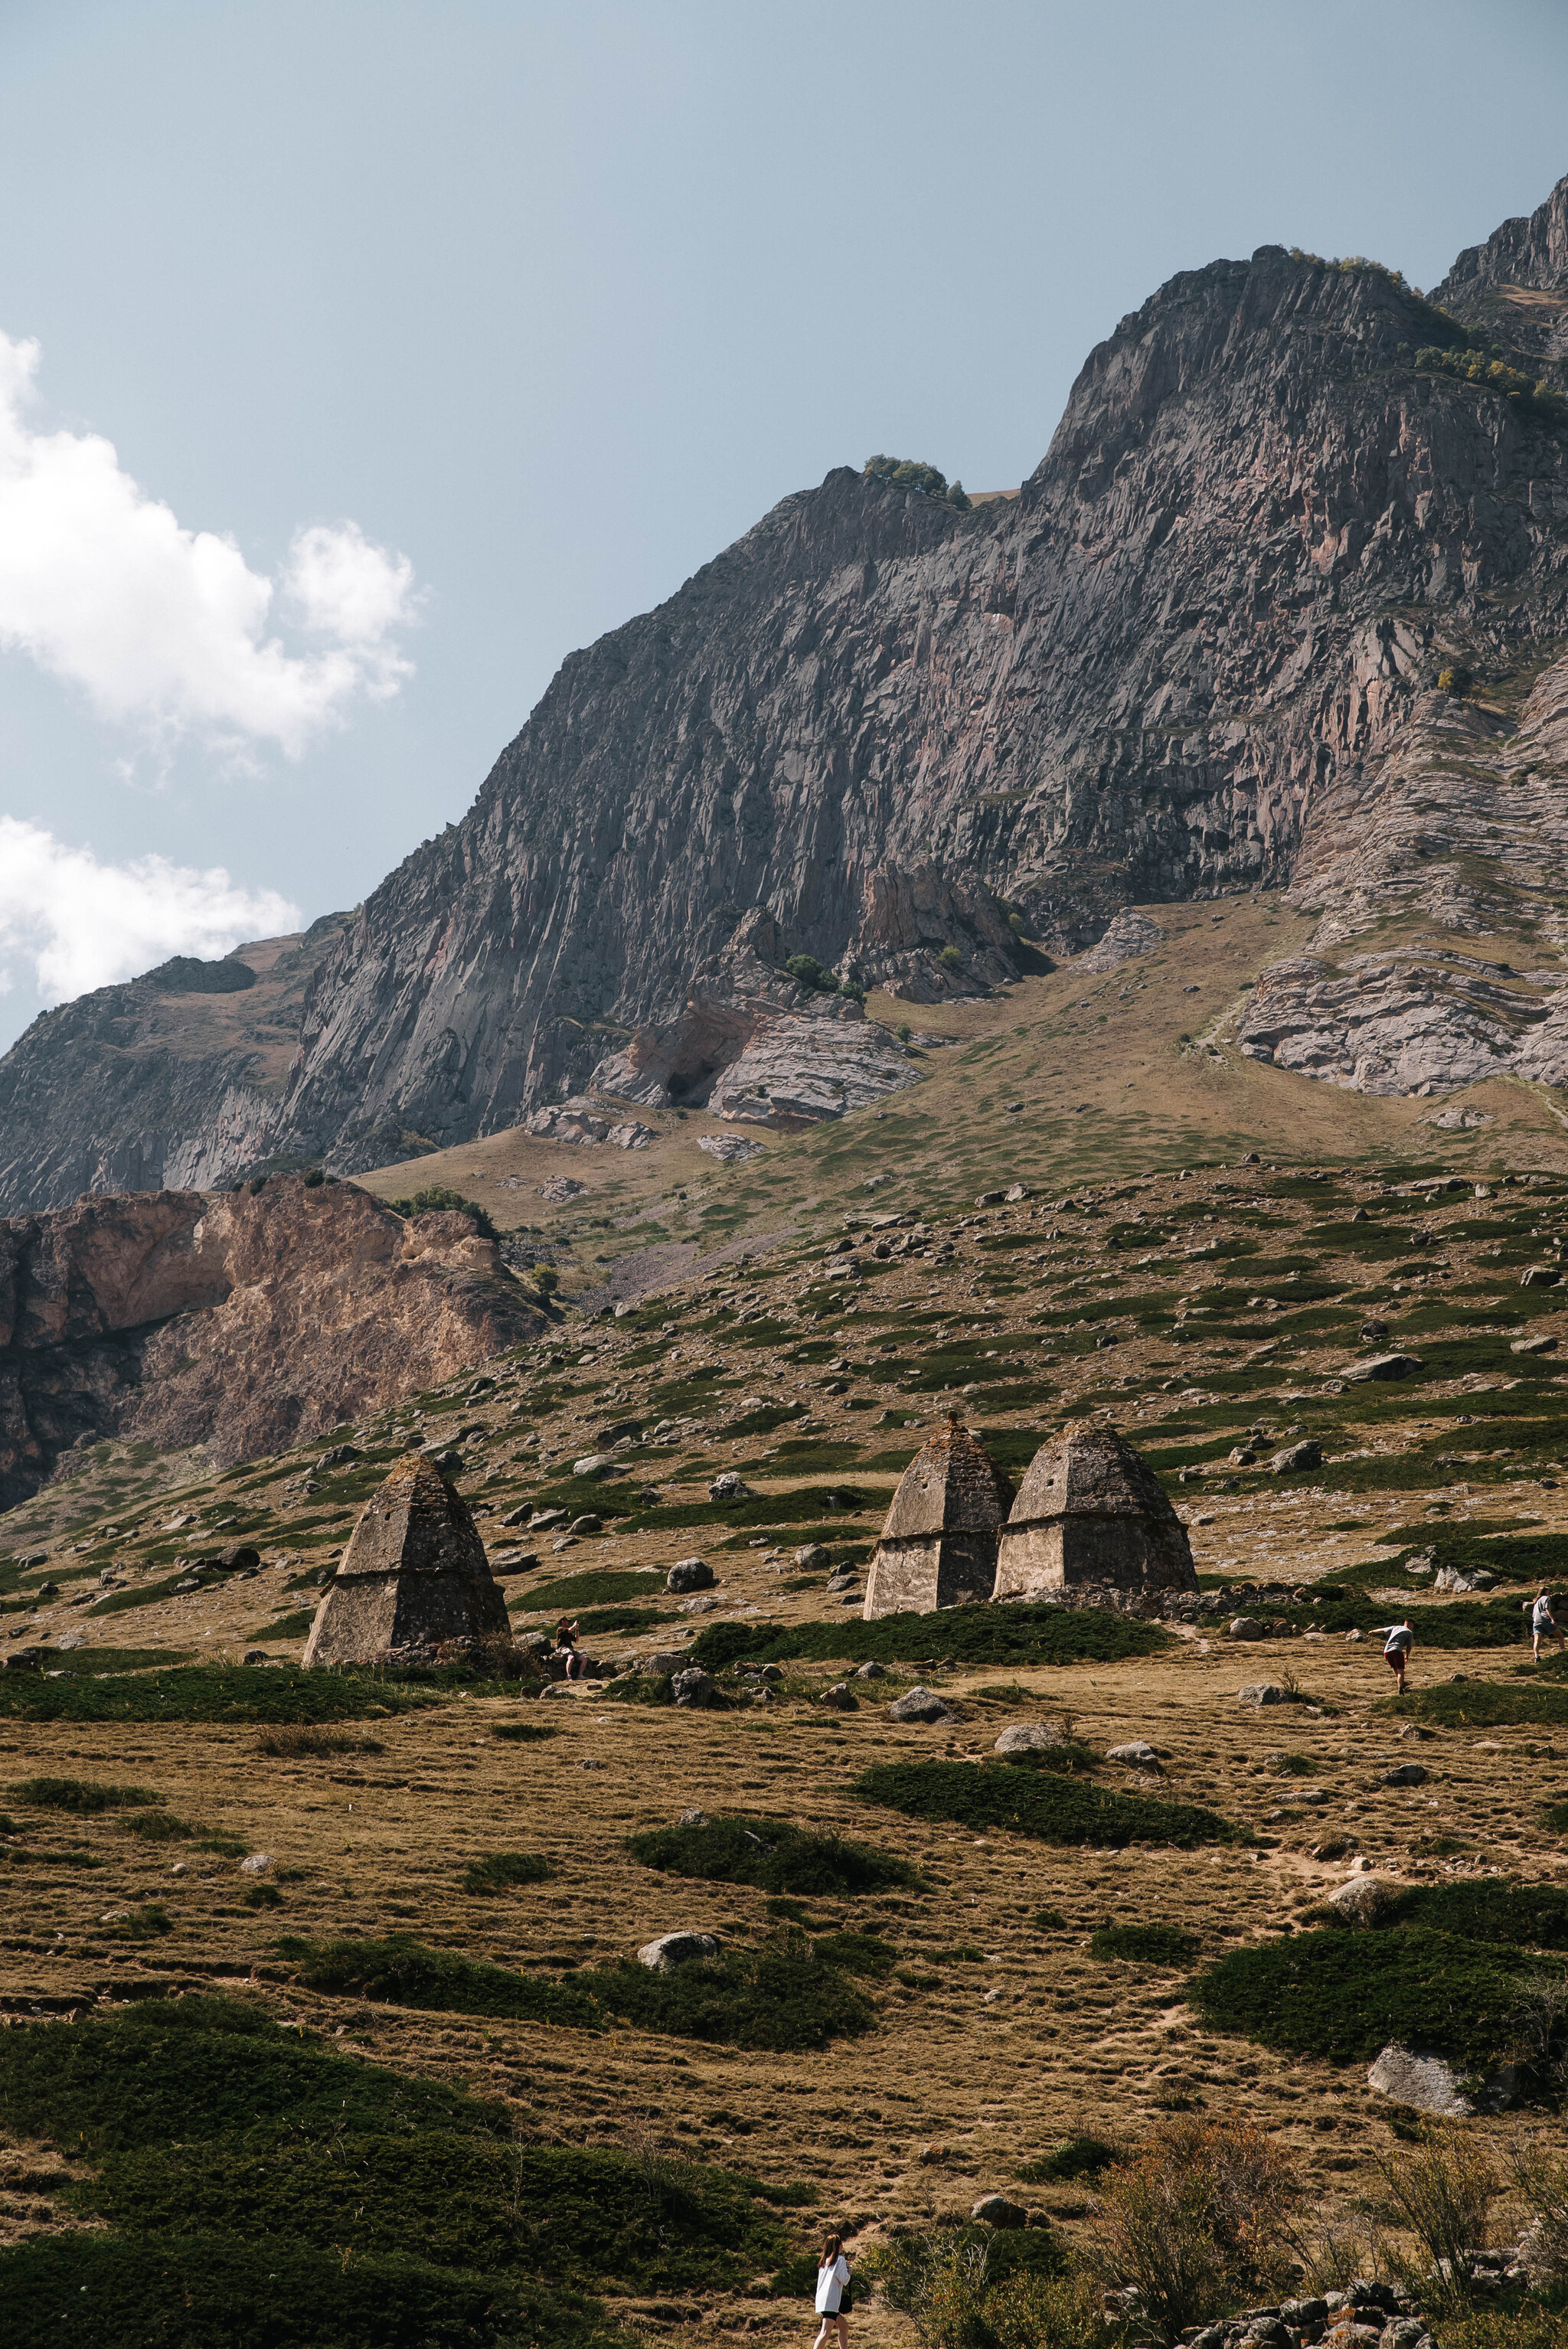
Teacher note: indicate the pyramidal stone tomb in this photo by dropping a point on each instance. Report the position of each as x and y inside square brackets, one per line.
[414, 1576]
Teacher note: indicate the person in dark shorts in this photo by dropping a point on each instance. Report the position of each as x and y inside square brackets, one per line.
[1543, 1624]
[1398, 1640]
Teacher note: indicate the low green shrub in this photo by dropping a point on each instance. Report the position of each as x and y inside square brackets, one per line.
[158, 1826]
[779, 1997]
[594, 1590]
[1075, 2156]
[773, 1855]
[397, 1971]
[965, 1635]
[1345, 1995]
[521, 1732]
[576, 2214]
[1054, 1809]
[149, 1923]
[856, 1953]
[196, 2292]
[215, 1692]
[1488, 1704]
[1146, 1945]
[307, 1742]
[437, 1198]
[500, 1871]
[85, 1798]
[196, 2069]
[1488, 1908]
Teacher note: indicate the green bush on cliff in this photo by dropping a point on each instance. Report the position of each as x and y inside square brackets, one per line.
[438, 1198]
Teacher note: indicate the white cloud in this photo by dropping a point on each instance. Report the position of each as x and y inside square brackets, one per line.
[84, 923]
[163, 628]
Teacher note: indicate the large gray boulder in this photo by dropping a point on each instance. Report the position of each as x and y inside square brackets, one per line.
[689, 1574]
[1028, 1737]
[663, 1955]
[1380, 1366]
[997, 2210]
[1429, 2083]
[920, 1705]
[1362, 1899]
[1261, 1693]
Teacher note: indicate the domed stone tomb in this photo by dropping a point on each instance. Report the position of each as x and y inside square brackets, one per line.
[414, 1573]
[1092, 1527]
[938, 1546]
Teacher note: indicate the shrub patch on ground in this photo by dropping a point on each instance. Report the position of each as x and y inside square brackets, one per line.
[1035, 1803]
[1146, 1945]
[965, 1635]
[1345, 1995]
[773, 1855]
[211, 1692]
[778, 1997]
[1488, 1909]
[1488, 1704]
[85, 1798]
[1076, 2156]
[501, 1870]
[574, 1590]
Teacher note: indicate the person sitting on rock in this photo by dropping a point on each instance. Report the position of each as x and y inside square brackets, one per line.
[1396, 1645]
[566, 1645]
[1542, 1625]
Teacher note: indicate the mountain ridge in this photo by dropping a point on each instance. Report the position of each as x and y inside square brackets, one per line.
[930, 748]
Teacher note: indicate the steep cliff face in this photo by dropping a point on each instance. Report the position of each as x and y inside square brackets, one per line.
[903, 738]
[244, 1323]
[174, 1078]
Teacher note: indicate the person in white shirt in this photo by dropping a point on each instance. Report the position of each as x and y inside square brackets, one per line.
[1543, 1626]
[832, 2284]
[1396, 1647]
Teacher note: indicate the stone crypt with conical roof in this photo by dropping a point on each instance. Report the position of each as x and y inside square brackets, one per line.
[414, 1573]
[1092, 1526]
[938, 1546]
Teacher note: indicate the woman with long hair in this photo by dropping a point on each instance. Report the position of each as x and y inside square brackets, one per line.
[832, 2293]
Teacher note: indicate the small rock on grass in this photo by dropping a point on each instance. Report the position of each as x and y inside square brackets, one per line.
[1138, 1755]
[663, 1955]
[868, 1672]
[693, 1686]
[812, 1557]
[1261, 1693]
[1028, 1737]
[997, 2210]
[920, 1705]
[841, 1697]
[689, 1574]
[1247, 1627]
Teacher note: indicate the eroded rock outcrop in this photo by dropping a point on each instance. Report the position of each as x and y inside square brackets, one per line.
[244, 1323]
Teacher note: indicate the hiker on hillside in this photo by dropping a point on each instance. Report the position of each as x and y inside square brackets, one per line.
[566, 1645]
[1398, 1641]
[832, 2293]
[1543, 1624]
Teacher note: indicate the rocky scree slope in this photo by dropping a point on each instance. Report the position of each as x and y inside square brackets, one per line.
[907, 740]
[243, 1323]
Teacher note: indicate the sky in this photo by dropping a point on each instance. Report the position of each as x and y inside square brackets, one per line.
[360, 358]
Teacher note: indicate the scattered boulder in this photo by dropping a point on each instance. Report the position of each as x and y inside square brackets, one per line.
[689, 1574]
[255, 1656]
[541, 1521]
[920, 1705]
[1138, 1754]
[256, 1864]
[1361, 1899]
[1428, 2083]
[587, 1525]
[730, 1488]
[1380, 1366]
[1534, 1346]
[812, 1557]
[996, 2210]
[668, 1950]
[841, 1697]
[693, 1819]
[338, 1456]
[1540, 1276]
[693, 1686]
[1028, 1737]
[594, 1463]
[1247, 1627]
[871, 1670]
[1409, 1774]
[1261, 1693]
[1306, 1455]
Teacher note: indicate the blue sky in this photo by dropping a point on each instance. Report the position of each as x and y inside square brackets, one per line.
[362, 357]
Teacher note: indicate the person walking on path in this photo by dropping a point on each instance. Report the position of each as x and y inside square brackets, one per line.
[1542, 1625]
[832, 2293]
[1397, 1643]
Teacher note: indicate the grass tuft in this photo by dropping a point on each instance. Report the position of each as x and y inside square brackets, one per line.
[500, 1871]
[1146, 1945]
[960, 1635]
[1035, 1803]
[773, 1855]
